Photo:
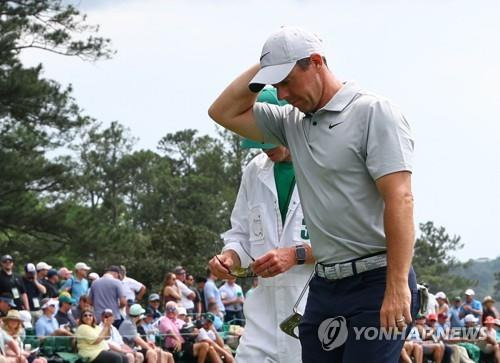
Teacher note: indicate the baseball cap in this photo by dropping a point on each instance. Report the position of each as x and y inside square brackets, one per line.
[281, 51]
[8, 300]
[63, 271]
[171, 308]
[440, 295]
[179, 270]
[209, 317]
[26, 318]
[469, 292]
[93, 276]
[51, 273]
[432, 316]
[43, 266]
[66, 299]
[181, 311]
[114, 268]
[457, 298]
[82, 266]
[6, 258]
[29, 267]
[154, 297]
[469, 318]
[136, 310]
[107, 312]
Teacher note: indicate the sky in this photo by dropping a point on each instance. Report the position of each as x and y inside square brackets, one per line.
[438, 60]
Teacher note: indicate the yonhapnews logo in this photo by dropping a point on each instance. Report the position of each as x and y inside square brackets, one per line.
[332, 332]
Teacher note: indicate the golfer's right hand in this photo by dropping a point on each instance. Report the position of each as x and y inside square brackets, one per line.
[221, 265]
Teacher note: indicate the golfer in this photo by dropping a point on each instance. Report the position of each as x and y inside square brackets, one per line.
[352, 152]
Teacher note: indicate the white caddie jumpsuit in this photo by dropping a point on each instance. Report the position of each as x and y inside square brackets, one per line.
[256, 223]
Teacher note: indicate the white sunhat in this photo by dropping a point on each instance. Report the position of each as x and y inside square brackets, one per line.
[469, 318]
[280, 53]
[469, 292]
[440, 295]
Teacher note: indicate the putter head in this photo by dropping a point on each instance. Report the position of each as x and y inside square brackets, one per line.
[289, 324]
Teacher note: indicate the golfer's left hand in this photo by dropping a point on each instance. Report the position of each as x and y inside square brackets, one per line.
[274, 262]
[396, 307]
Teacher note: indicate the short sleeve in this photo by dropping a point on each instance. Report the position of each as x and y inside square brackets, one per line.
[389, 146]
[87, 333]
[270, 120]
[127, 330]
[119, 290]
[209, 292]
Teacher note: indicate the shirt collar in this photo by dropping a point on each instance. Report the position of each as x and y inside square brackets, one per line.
[342, 98]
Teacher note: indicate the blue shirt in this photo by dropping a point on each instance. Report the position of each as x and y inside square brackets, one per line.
[475, 304]
[212, 292]
[76, 287]
[46, 326]
[455, 321]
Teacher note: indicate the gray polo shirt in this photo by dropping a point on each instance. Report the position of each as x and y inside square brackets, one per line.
[338, 153]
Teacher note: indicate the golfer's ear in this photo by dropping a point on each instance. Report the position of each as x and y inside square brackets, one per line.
[316, 59]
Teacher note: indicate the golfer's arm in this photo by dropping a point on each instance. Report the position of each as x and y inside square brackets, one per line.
[233, 109]
[395, 189]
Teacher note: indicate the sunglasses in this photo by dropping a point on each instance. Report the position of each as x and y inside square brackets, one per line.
[87, 315]
[289, 325]
[241, 272]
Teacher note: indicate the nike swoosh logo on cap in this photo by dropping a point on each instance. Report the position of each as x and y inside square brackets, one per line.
[333, 125]
[263, 55]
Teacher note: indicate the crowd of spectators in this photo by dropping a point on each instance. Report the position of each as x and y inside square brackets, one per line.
[462, 331]
[110, 318]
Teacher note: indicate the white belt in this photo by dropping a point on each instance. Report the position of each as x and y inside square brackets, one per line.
[342, 270]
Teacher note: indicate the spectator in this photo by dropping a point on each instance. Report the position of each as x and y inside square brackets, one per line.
[131, 337]
[6, 342]
[255, 283]
[91, 340]
[443, 303]
[218, 316]
[154, 305]
[471, 306]
[200, 286]
[412, 350]
[83, 303]
[232, 298]
[78, 285]
[42, 268]
[419, 335]
[34, 289]
[489, 308]
[209, 334]
[64, 275]
[115, 340]
[455, 320]
[47, 324]
[10, 283]
[187, 296]
[107, 293]
[6, 303]
[147, 327]
[13, 326]
[175, 342]
[212, 293]
[51, 284]
[133, 289]
[92, 277]
[197, 298]
[170, 291]
[490, 345]
[63, 316]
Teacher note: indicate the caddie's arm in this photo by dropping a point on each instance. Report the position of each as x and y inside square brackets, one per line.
[233, 109]
[396, 192]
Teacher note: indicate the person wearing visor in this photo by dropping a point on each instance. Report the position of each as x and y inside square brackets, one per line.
[269, 234]
[352, 151]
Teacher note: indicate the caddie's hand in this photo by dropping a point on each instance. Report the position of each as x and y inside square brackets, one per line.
[274, 262]
[221, 265]
[395, 311]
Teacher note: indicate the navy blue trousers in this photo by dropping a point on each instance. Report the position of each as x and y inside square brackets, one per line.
[342, 319]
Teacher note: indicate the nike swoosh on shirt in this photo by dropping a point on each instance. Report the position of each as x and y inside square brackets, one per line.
[333, 125]
[263, 55]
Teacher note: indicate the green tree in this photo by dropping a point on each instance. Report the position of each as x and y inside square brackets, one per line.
[496, 287]
[433, 260]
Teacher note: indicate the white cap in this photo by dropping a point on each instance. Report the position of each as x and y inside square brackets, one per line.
[469, 318]
[82, 266]
[42, 266]
[93, 276]
[181, 311]
[29, 267]
[26, 318]
[280, 53]
[469, 292]
[440, 295]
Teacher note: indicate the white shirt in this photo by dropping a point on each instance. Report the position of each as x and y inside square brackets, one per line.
[185, 292]
[231, 293]
[131, 288]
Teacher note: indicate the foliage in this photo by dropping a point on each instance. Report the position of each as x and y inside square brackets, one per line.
[433, 261]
